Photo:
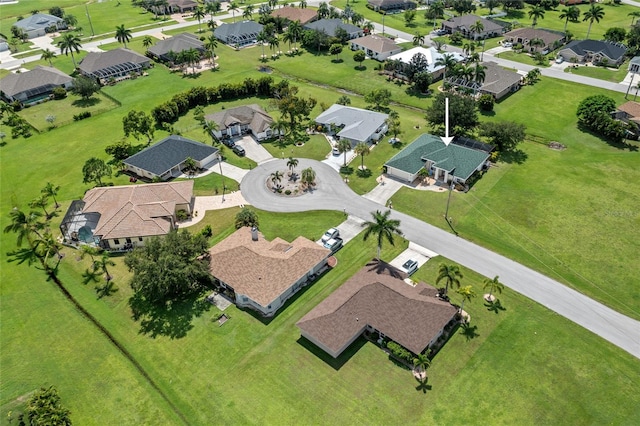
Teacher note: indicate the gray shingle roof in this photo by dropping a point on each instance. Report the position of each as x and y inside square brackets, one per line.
[330, 26]
[37, 21]
[96, 61]
[497, 79]
[466, 21]
[237, 29]
[359, 124]
[252, 115]
[177, 44]
[168, 153]
[611, 50]
[447, 157]
[40, 76]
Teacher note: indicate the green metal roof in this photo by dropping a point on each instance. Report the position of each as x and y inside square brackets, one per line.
[447, 157]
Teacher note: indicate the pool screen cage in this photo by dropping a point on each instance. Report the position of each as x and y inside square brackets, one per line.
[118, 70]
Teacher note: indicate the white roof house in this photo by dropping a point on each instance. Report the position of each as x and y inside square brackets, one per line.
[431, 54]
[355, 124]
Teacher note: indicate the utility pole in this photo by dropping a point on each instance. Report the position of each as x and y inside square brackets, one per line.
[223, 184]
[446, 213]
[86, 8]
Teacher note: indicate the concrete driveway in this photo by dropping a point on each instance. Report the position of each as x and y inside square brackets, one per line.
[415, 252]
[253, 149]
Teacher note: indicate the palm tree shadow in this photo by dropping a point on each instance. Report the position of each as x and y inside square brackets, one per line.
[469, 332]
[422, 385]
[495, 306]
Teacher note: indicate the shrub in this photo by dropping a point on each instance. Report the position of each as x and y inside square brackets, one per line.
[207, 232]
[287, 192]
[82, 116]
[59, 93]
[399, 352]
[485, 102]
[182, 215]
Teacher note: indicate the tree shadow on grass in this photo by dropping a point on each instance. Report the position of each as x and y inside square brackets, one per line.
[517, 156]
[495, 306]
[171, 319]
[86, 103]
[469, 332]
[422, 385]
[615, 144]
[360, 68]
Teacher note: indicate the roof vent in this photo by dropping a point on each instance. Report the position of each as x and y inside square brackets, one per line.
[254, 233]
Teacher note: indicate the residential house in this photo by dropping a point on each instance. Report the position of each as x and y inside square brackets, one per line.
[376, 47]
[390, 6]
[176, 44]
[330, 26]
[181, 6]
[4, 46]
[595, 51]
[115, 64]
[238, 34]
[549, 40]
[629, 112]
[456, 161]
[292, 14]
[634, 65]
[377, 300]
[263, 274]
[123, 217]
[462, 24]
[431, 55]
[499, 82]
[32, 86]
[39, 24]
[355, 124]
[166, 158]
[241, 120]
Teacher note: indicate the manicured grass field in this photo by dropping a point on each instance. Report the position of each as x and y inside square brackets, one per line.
[316, 148]
[521, 57]
[608, 74]
[574, 211]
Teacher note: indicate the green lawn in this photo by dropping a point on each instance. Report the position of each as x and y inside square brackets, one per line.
[521, 57]
[574, 211]
[608, 74]
[317, 148]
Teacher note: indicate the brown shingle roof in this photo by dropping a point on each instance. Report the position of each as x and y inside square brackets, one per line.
[498, 79]
[549, 37]
[252, 115]
[296, 14]
[632, 108]
[263, 270]
[136, 210]
[376, 43]
[378, 296]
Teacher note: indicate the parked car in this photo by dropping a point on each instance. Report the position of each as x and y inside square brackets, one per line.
[228, 142]
[335, 150]
[238, 150]
[559, 60]
[334, 244]
[410, 266]
[507, 44]
[331, 233]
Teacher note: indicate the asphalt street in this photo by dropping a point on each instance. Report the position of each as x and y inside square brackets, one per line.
[332, 193]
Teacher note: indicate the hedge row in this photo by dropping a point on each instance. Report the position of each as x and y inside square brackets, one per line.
[180, 104]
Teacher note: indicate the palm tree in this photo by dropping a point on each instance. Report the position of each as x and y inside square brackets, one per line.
[383, 227]
[147, 41]
[199, 14]
[362, 149]
[295, 31]
[51, 190]
[535, 42]
[262, 38]
[25, 225]
[280, 127]
[421, 362]
[448, 62]
[418, 39]
[276, 177]
[190, 166]
[303, 4]
[595, 13]
[479, 73]
[569, 14]
[68, 44]
[477, 28]
[70, 20]
[48, 55]
[274, 43]
[210, 44]
[103, 263]
[451, 274]
[323, 10]
[467, 294]
[91, 251]
[492, 285]
[368, 27]
[292, 163]
[123, 35]
[308, 177]
[248, 12]
[344, 145]
[209, 127]
[536, 12]
[233, 7]
[41, 202]
[635, 14]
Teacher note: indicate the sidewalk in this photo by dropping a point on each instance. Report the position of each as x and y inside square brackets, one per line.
[215, 202]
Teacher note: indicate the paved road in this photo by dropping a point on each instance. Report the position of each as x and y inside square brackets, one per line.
[333, 194]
